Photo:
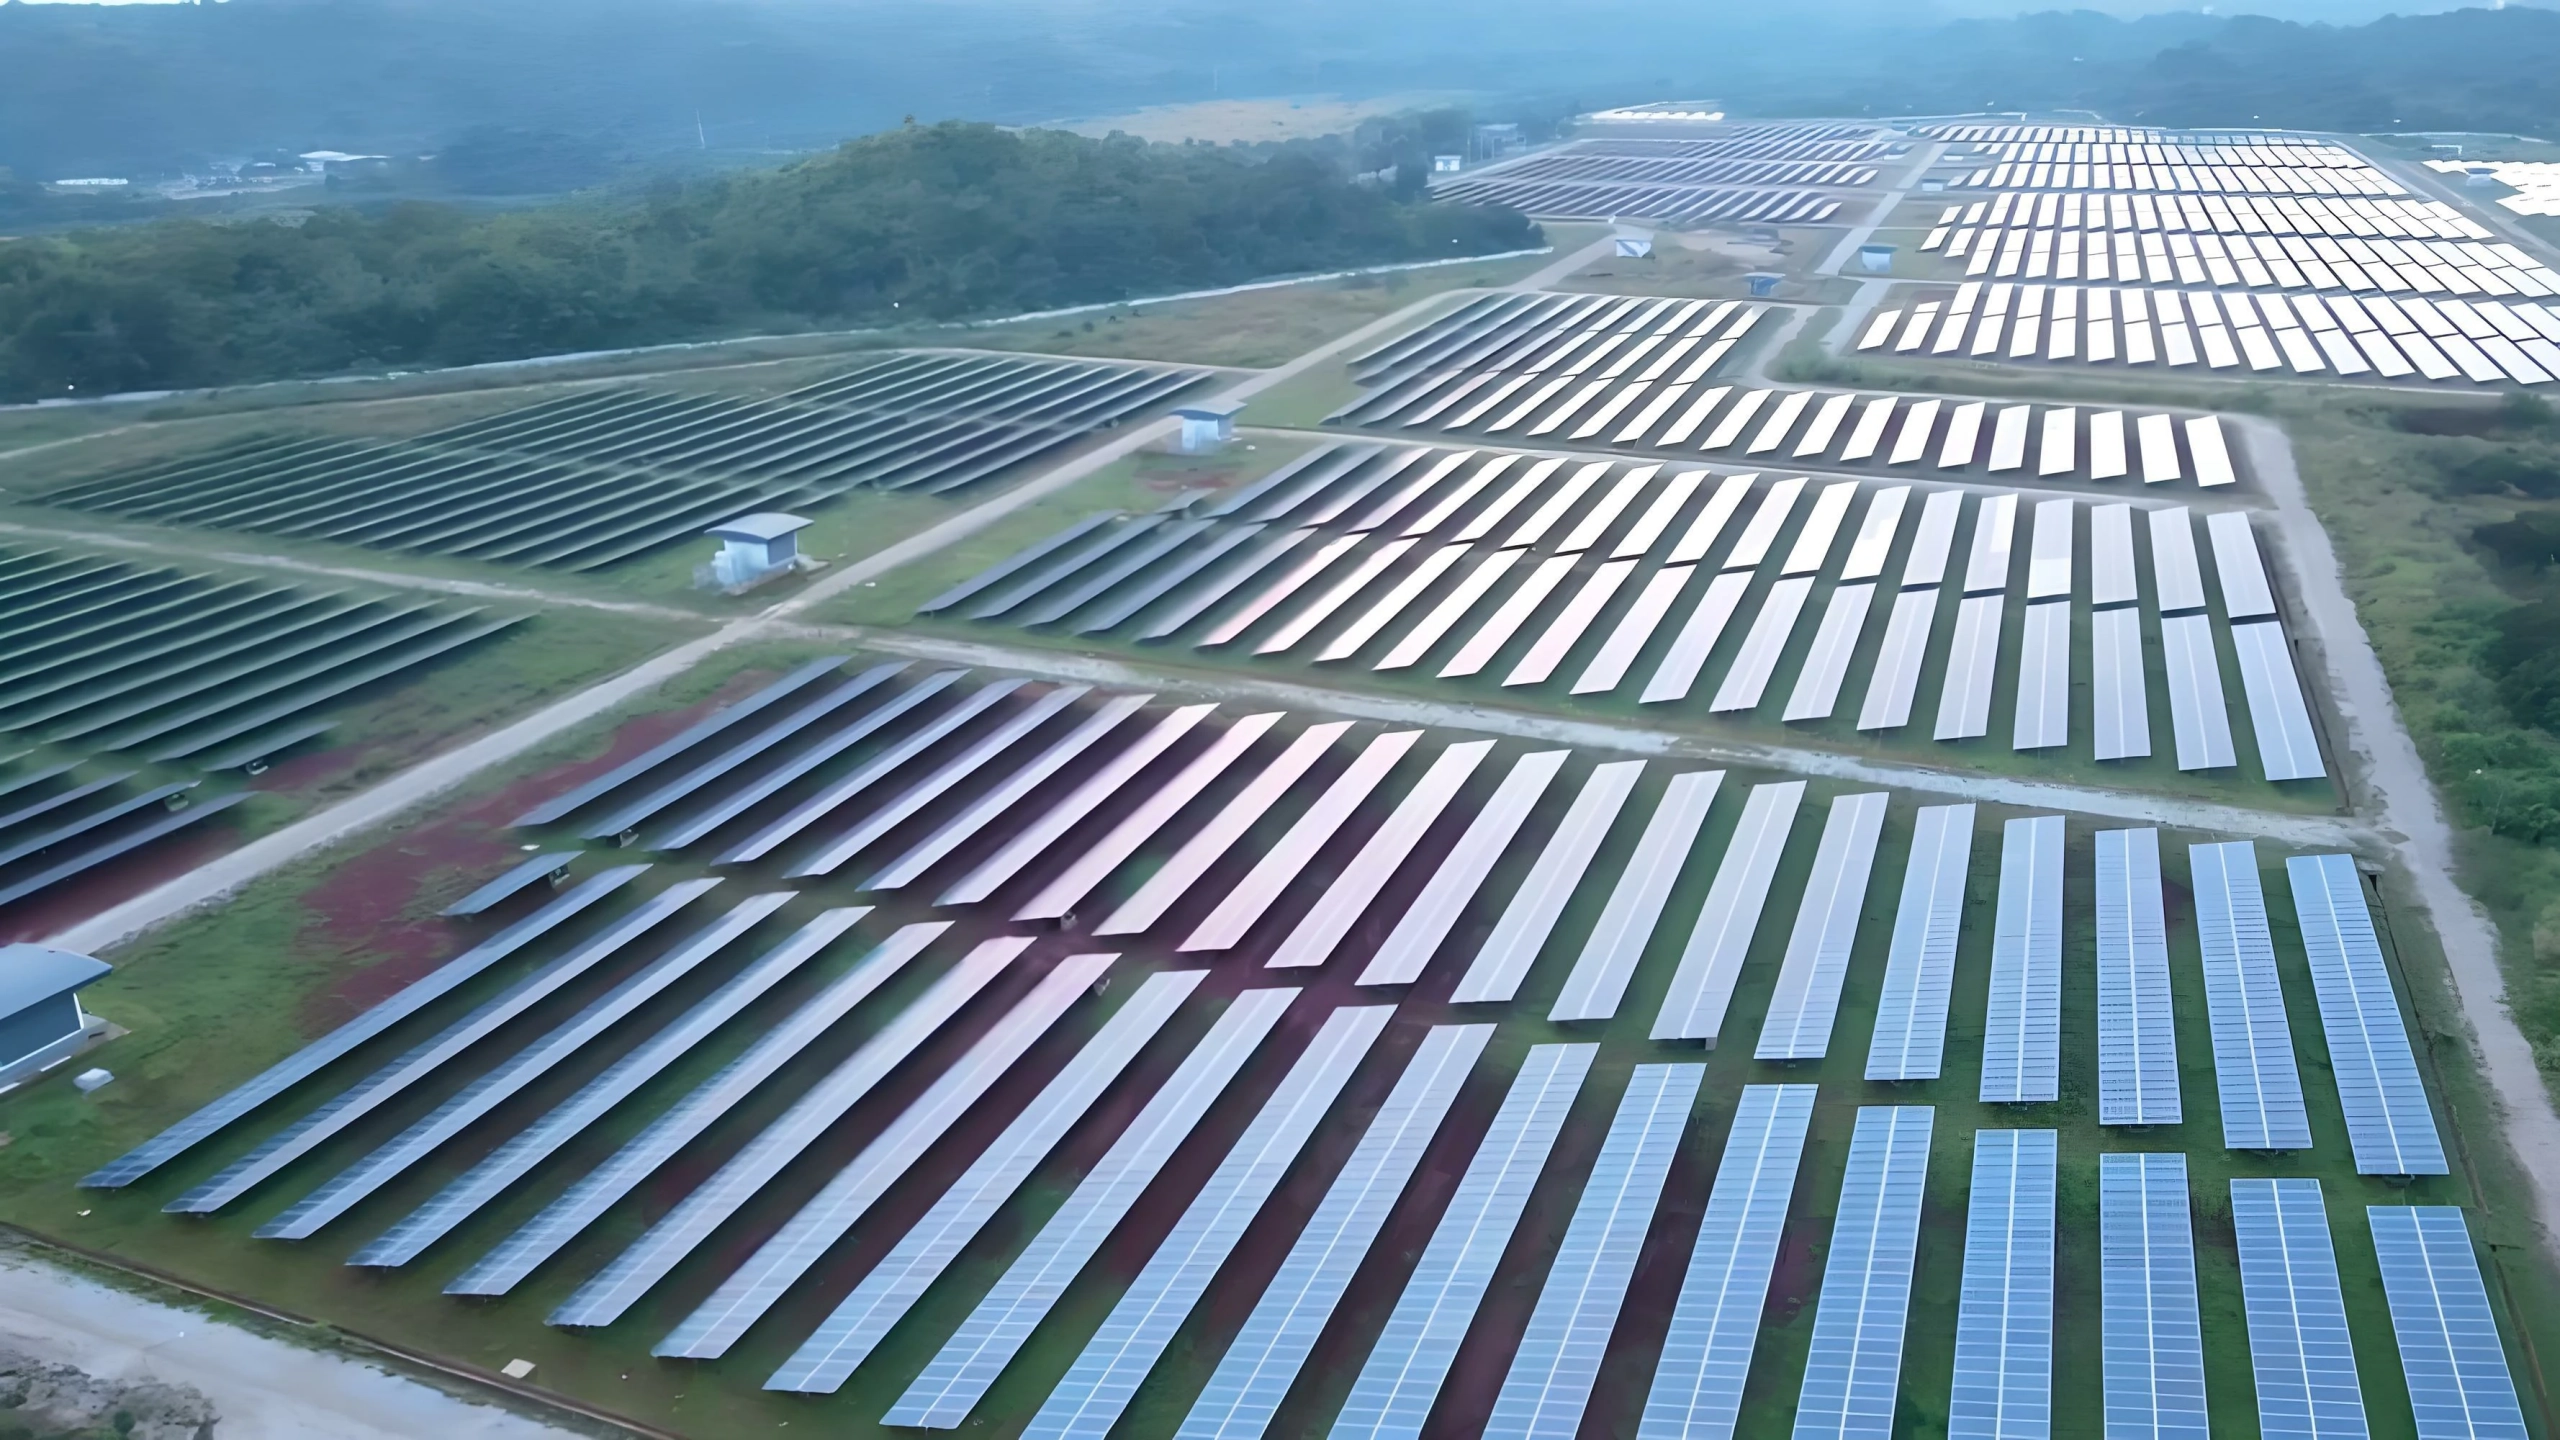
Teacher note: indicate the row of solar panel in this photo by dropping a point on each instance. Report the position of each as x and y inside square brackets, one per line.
[598, 477]
[2439, 341]
[1588, 166]
[2233, 215]
[1677, 205]
[108, 656]
[2396, 267]
[60, 823]
[2259, 1088]
[1345, 581]
[1533, 333]
[2198, 179]
[1851, 1379]
[1789, 147]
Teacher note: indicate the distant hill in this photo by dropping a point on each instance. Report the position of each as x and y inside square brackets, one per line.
[916, 223]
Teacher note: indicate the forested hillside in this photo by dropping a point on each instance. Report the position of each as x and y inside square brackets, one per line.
[918, 223]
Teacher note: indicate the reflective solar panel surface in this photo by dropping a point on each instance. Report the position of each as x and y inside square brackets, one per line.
[1711, 960]
[2153, 1342]
[1919, 973]
[2299, 1349]
[1853, 1372]
[2021, 1047]
[1798, 1025]
[2253, 1065]
[1618, 938]
[1530, 917]
[2388, 1122]
[2003, 1383]
[2137, 1011]
[2459, 1384]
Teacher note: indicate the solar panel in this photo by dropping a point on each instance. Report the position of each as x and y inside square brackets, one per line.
[837, 792]
[1821, 528]
[692, 735]
[2043, 719]
[1226, 926]
[1762, 646]
[832, 855]
[1628, 637]
[1867, 553]
[1505, 622]
[1706, 1354]
[2022, 1032]
[2459, 1385]
[1700, 537]
[2299, 1349]
[1481, 524]
[1655, 522]
[2137, 1014]
[1004, 795]
[1218, 587]
[1697, 638]
[1435, 626]
[1751, 547]
[2252, 1044]
[2287, 748]
[563, 1219]
[2003, 1383]
[1333, 457]
[1995, 524]
[2245, 593]
[1173, 879]
[1393, 1395]
[957, 1376]
[1933, 540]
[1552, 1372]
[1826, 665]
[1257, 1370]
[1596, 518]
[1456, 879]
[1054, 820]
[1853, 1371]
[2119, 705]
[1098, 1386]
[828, 1357]
[2173, 560]
[2199, 717]
[2153, 1347]
[2212, 456]
[1352, 891]
[2111, 570]
[1450, 504]
[518, 877]
[538, 1142]
[2049, 551]
[1964, 705]
[1067, 563]
[1618, 939]
[1521, 932]
[1712, 959]
[467, 1107]
[1001, 570]
[1562, 633]
[1807, 998]
[1911, 1012]
[2388, 1121]
[311, 1059]
[1896, 677]
[1303, 623]
[332, 1117]
[1449, 463]
[1194, 558]
[1095, 862]
[613, 1290]
[754, 1287]
[1269, 598]
[1395, 602]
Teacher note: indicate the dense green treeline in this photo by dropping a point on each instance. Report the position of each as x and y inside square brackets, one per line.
[920, 223]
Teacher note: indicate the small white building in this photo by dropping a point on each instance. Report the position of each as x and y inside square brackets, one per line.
[1876, 259]
[41, 1022]
[1206, 426]
[1634, 244]
[754, 548]
[1448, 164]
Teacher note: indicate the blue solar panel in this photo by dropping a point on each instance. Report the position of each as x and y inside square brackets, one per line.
[537, 1142]
[2003, 1385]
[2137, 1016]
[616, 1288]
[910, 801]
[2287, 748]
[1522, 930]
[1854, 1370]
[1408, 948]
[1617, 941]
[1693, 1008]
[633, 769]
[2252, 1044]
[563, 1219]
[1543, 1396]
[2299, 1349]
[1098, 1386]
[2388, 1121]
[828, 1357]
[1255, 1374]
[1706, 1356]
[779, 1263]
[2153, 1342]
[627, 815]
[1920, 969]
[986, 1342]
[431, 1055]
[1392, 1399]
[1798, 1026]
[341, 1192]
[740, 796]
[311, 1059]
[2022, 1039]
[2459, 1385]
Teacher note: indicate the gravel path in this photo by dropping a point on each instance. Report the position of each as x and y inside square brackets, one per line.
[2411, 819]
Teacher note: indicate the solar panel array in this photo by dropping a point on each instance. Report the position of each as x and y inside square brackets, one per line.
[2137, 1012]
[2153, 1354]
[2003, 1384]
[170, 666]
[2253, 1067]
[2304, 1360]
[600, 476]
[1675, 203]
[2459, 1385]
[1853, 1373]
[61, 823]
[2388, 1121]
[2022, 1040]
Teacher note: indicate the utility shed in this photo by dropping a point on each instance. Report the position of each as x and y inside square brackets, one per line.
[41, 1021]
[755, 546]
[1634, 244]
[1207, 425]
